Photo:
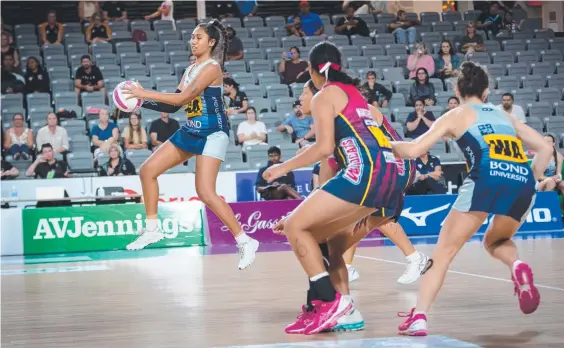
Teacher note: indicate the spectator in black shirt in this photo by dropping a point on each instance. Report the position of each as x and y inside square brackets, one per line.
[491, 20]
[349, 24]
[422, 89]
[374, 93]
[419, 121]
[8, 171]
[238, 101]
[51, 31]
[8, 49]
[234, 45]
[36, 80]
[12, 77]
[88, 78]
[116, 166]
[46, 166]
[162, 129]
[429, 174]
[222, 9]
[98, 31]
[472, 42]
[114, 11]
[281, 188]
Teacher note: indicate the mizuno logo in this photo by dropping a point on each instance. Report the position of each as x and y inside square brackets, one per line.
[420, 219]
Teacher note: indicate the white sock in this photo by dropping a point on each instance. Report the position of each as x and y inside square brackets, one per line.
[416, 256]
[347, 297]
[152, 225]
[319, 276]
[348, 266]
[515, 264]
[242, 239]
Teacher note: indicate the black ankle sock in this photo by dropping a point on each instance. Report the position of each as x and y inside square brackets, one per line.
[325, 253]
[324, 289]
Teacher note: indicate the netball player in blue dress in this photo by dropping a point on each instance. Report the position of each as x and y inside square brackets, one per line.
[499, 182]
[205, 135]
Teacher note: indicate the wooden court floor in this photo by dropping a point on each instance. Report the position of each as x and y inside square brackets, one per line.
[179, 298]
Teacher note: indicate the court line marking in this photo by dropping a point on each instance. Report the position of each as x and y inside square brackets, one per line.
[463, 273]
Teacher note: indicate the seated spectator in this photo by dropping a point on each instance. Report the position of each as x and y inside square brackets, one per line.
[512, 109]
[375, 93]
[98, 31]
[453, 103]
[471, 42]
[53, 134]
[12, 77]
[295, 28]
[86, 10]
[134, 136]
[114, 11]
[310, 23]
[509, 24]
[7, 31]
[9, 49]
[104, 134]
[491, 20]
[238, 101]
[552, 179]
[419, 121]
[292, 68]
[165, 11]
[349, 24]
[234, 45]
[88, 77]
[162, 129]
[247, 8]
[281, 188]
[36, 79]
[429, 174]
[422, 89]
[447, 62]
[251, 131]
[221, 9]
[51, 31]
[420, 58]
[46, 166]
[18, 140]
[8, 171]
[116, 166]
[299, 125]
[404, 29]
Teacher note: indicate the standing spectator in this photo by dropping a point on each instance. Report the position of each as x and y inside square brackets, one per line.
[238, 101]
[422, 89]
[166, 11]
[251, 131]
[292, 68]
[88, 78]
[375, 93]
[491, 20]
[9, 49]
[447, 62]
[104, 134]
[512, 109]
[404, 29]
[134, 136]
[429, 174]
[8, 171]
[299, 125]
[471, 42]
[419, 121]
[349, 24]
[86, 10]
[310, 22]
[36, 80]
[234, 45]
[247, 8]
[116, 165]
[98, 31]
[53, 134]
[46, 166]
[18, 140]
[114, 11]
[162, 129]
[420, 58]
[12, 77]
[281, 188]
[51, 31]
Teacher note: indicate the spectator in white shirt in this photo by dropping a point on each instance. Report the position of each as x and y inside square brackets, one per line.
[53, 134]
[514, 110]
[165, 11]
[251, 132]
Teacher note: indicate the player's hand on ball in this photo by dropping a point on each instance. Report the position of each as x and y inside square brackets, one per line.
[273, 172]
[133, 90]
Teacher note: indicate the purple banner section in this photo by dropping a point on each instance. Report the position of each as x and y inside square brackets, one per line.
[257, 220]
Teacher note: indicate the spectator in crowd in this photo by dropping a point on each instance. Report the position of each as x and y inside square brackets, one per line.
[12, 77]
[88, 77]
[310, 23]
[114, 11]
[234, 45]
[552, 179]
[8, 171]
[295, 28]
[192, 59]
[419, 121]
[471, 42]
[98, 31]
[491, 20]
[51, 31]
[18, 140]
[404, 29]
[453, 103]
[36, 79]
[299, 125]
[247, 8]
[420, 58]
[375, 93]
[349, 24]
[238, 101]
[9, 49]
[46, 166]
[221, 9]
[162, 129]
[7, 30]
[116, 165]
[292, 68]
[134, 136]
[104, 134]
[422, 89]
[53, 134]
[429, 174]
[366, 7]
[281, 188]
[447, 62]
[251, 131]
[512, 109]
[165, 11]
[86, 10]
[509, 24]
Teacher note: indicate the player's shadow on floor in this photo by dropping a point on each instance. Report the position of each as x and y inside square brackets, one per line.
[506, 341]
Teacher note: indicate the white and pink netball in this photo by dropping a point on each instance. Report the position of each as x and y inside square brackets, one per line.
[120, 101]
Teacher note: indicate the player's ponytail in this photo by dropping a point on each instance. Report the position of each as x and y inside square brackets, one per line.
[217, 32]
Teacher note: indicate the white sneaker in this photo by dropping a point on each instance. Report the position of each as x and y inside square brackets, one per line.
[352, 321]
[413, 270]
[247, 253]
[146, 238]
[353, 273]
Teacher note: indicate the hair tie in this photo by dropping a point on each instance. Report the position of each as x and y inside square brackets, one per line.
[325, 67]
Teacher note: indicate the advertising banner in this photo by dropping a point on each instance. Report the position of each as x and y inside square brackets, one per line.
[247, 192]
[107, 227]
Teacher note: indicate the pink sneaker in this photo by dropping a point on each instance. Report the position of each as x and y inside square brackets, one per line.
[326, 314]
[413, 325]
[302, 321]
[529, 296]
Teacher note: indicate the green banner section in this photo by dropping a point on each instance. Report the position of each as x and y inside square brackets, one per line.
[107, 227]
